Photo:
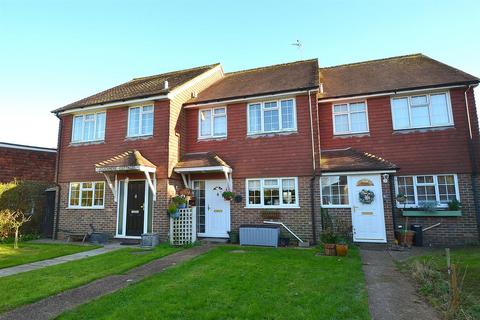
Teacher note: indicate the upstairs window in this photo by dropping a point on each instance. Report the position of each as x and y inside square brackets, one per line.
[272, 192]
[438, 189]
[140, 121]
[350, 118]
[86, 195]
[88, 127]
[422, 111]
[272, 116]
[212, 123]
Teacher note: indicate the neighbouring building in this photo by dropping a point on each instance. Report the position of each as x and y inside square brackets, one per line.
[293, 141]
[26, 163]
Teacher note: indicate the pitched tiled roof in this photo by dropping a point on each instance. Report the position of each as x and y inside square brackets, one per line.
[341, 160]
[279, 78]
[391, 74]
[140, 88]
[128, 160]
[201, 159]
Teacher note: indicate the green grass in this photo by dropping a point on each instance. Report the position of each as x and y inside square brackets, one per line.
[430, 271]
[259, 283]
[31, 286]
[31, 252]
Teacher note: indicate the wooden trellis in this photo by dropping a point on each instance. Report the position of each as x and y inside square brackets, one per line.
[183, 230]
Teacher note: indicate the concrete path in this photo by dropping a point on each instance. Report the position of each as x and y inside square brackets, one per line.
[53, 306]
[390, 294]
[59, 260]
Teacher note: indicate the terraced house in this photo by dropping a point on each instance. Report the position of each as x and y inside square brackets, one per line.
[288, 140]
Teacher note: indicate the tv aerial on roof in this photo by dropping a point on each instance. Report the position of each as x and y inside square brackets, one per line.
[299, 46]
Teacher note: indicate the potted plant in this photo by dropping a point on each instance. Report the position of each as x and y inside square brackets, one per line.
[186, 193]
[233, 235]
[329, 240]
[454, 205]
[401, 198]
[228, 195]
[405, 237]
[172, 210]
[180, 202]
[341, 247]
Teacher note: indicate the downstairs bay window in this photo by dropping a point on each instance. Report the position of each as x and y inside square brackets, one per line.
[88, 195]
[272, 193]
[419, 190]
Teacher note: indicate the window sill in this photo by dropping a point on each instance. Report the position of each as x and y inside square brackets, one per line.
[271, 134]
[271, 207]
[349, 135]
[423, 129]
[219, 138]
[440, 213]
[133, 138]
[86, 143]
[337, 207]
[85, 208]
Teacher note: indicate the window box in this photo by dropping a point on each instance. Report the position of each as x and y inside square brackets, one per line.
[440, 213]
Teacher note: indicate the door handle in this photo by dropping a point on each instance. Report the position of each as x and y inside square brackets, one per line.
[354, 208]
[208, 207]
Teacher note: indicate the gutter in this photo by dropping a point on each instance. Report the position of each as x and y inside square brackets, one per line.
[57, 166]
[312, 179]
[473, 160]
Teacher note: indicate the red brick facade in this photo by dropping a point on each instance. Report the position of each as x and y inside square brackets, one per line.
[431, 151]
[27, 163]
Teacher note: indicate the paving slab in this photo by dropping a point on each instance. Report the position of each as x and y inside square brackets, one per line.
[391, 295]
[55, 305]
[59, 260]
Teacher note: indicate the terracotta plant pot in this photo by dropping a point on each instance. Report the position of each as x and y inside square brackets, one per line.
[405, 238]
[341, 249]
[330, 249]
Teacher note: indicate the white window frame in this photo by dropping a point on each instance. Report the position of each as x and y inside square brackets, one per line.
[140, 121]
[428, 95]
[83, 115]
[349, 118]
[332, 206]
[212, 116]
[79, 206]
[262, 111]
[281, 206]
[437, 193]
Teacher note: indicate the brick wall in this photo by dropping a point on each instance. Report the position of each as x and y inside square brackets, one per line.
[453, 230]
[27, 165]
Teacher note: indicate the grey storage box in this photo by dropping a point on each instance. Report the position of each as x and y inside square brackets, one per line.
[150, 240]
[259, 235]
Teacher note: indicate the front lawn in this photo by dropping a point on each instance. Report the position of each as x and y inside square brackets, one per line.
[31, 252]
[430, 272]
[243, 283]
[34, 285]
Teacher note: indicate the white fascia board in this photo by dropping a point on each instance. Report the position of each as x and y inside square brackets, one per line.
[12, 146]
[391, 93]
[350, 173]
[249, 99]
[204, 169]
[172, 94]
[114, 104]
[132, 168]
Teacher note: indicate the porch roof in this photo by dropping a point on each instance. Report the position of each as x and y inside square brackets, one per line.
[131, 160]
[202, 162]
[349, 160]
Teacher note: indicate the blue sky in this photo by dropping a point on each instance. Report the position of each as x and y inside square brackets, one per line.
[55, 52]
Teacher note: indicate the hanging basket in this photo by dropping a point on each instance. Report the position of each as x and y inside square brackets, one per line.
[366, 196]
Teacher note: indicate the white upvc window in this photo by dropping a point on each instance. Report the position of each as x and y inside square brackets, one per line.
[271, 116]
[272, 193]
[88, 127]
[86, 195]
[140, 121]
[334, 192]
[422, 111]
[212, 123]
[350, 118]
[440, 189]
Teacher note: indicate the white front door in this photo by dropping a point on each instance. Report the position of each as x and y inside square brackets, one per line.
[368, 218]
[217, 209]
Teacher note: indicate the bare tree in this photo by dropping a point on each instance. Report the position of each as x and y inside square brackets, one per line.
[13, 220]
